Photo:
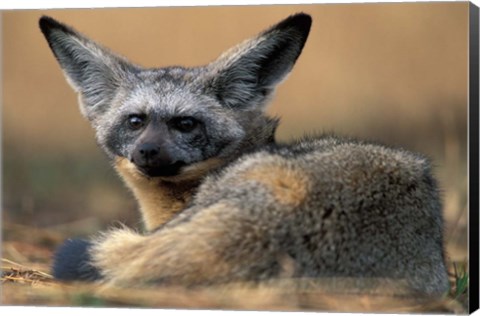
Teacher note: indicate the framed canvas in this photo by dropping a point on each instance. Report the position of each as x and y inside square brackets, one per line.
[367, 189]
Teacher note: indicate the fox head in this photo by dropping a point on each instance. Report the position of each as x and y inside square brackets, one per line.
[167, 121]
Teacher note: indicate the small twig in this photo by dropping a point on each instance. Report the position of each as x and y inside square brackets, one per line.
[12, 262]
[25, 268]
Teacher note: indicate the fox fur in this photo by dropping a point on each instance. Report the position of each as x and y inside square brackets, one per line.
[221, 200]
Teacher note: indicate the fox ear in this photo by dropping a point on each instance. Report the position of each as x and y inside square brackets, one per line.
[90, 69]
[246, 75]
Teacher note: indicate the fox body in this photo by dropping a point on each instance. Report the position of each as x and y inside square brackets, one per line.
[221, 200]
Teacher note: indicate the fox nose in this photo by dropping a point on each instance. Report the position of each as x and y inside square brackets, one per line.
[153, 160]
[148, 151]
[150, 155]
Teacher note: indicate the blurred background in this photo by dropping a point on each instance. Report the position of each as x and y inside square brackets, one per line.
[396, 73]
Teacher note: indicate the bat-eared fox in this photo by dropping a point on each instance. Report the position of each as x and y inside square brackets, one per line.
[221, 200]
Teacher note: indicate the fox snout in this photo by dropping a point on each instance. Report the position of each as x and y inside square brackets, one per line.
[154, 161]
[154, 154]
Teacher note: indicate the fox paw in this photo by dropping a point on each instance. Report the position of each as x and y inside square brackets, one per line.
[72, 262]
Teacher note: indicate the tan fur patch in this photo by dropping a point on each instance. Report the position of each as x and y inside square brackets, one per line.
[289, 186]
[159, 199]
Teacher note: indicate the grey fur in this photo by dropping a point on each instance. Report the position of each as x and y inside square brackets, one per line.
[371, 212]
[337, 208]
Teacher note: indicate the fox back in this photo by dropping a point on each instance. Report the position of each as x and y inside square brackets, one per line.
[222, 201]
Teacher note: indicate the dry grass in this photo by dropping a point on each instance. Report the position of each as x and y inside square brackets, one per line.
[26, 283]
[30, 287]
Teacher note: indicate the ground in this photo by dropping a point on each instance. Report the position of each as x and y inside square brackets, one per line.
[25, 279]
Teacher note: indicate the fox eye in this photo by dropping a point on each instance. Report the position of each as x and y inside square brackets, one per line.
[136, 121]
[185, 124]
